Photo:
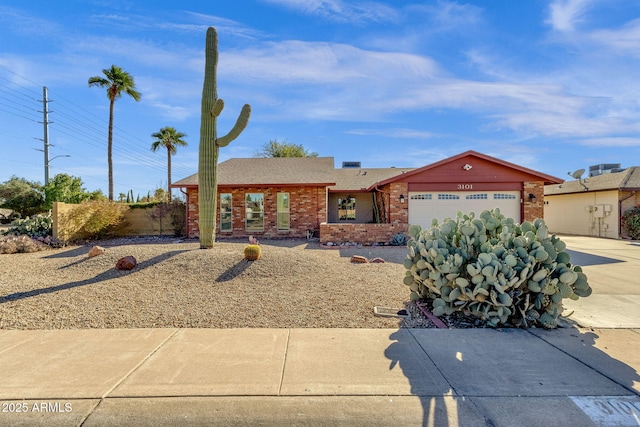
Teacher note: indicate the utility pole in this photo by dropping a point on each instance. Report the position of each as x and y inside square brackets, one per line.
[45, 112]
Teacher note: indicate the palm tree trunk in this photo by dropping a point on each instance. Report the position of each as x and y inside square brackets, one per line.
[169, 174]
[110, 147]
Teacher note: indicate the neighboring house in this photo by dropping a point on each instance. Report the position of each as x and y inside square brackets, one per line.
[5, 216]
[292, 197]
[592, 206]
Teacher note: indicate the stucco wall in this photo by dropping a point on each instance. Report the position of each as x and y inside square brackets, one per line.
[576, 213]
[136, 222]
[364, 207]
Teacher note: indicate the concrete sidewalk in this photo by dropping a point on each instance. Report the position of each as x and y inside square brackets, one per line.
[473, 377]
[586, 374]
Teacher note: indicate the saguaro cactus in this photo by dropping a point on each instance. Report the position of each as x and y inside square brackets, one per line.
[210, 143]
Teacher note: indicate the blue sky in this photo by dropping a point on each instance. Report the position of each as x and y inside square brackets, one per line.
[553, 85]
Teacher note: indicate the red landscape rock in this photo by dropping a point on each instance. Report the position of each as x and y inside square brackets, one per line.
[126, 263]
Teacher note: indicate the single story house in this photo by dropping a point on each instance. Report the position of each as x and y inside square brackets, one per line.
[592, 206]
[296, 197]
[5, 216]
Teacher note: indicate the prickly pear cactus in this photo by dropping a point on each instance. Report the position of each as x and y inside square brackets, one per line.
[210, 143]
[492, 268]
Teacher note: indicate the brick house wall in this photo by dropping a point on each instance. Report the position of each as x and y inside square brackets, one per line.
[628, 200]
[533, 209]
[308, 208]
[398, 209]
[360, 233]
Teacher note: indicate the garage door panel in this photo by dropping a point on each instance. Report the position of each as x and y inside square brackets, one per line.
[426, 206]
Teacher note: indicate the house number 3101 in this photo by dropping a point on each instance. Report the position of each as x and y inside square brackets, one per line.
[465, 186]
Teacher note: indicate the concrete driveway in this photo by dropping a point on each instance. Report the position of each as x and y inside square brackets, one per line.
[613, 270]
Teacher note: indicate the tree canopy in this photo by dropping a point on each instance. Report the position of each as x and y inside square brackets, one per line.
[22, 196]
[283, 149]
[169, 138]
[116, 81]
[68, 189]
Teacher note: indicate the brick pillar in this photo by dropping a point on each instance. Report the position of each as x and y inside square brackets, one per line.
[533, 208]
[399, 207]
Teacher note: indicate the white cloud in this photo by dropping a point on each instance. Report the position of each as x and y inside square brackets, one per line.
[342, 11]
[625, 40]
[393, 133]
[564, 15]
[622, 141]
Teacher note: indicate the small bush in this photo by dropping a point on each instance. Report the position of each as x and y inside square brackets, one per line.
[631, 222]
[34, 226]
[494, 269]
[95, 218]
[20, 244]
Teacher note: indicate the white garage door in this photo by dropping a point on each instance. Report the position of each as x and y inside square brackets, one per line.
[425, 206]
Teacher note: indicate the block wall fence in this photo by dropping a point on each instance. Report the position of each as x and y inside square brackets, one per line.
[137, 222]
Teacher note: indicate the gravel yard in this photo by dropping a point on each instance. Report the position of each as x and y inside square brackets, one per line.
[296, 284]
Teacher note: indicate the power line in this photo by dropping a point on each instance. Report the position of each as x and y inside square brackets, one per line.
[77, 123]
[125, 143]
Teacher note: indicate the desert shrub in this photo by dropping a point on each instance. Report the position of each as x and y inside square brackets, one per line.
[34, 226]
[399, 239]
[631, 222]
[22, 196]
[494, 269]
[94, 219]
[20, 244]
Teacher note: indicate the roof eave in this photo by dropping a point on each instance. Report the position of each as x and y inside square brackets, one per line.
[548, 179]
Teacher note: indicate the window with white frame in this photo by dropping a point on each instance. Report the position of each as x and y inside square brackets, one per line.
[226, 218]
[283, 212]
[254, 212]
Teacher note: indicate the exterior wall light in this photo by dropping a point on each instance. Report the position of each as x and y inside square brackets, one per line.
[532, 197]
[402, 198]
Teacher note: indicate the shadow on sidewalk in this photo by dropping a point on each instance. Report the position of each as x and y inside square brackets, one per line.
[486, 369]
[439, 404]
[106, 275]
[581, 345]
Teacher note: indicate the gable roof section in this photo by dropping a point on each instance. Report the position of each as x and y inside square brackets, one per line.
[628, 179]
[272, 171]
[431, 171]
[361, 179]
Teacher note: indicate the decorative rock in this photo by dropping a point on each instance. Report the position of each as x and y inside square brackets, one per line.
[95, 251]
[126, 263]
[359, 259]
[377, 260]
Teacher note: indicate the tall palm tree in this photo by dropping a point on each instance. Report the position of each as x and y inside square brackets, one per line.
[115, 81]
[170, 139]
